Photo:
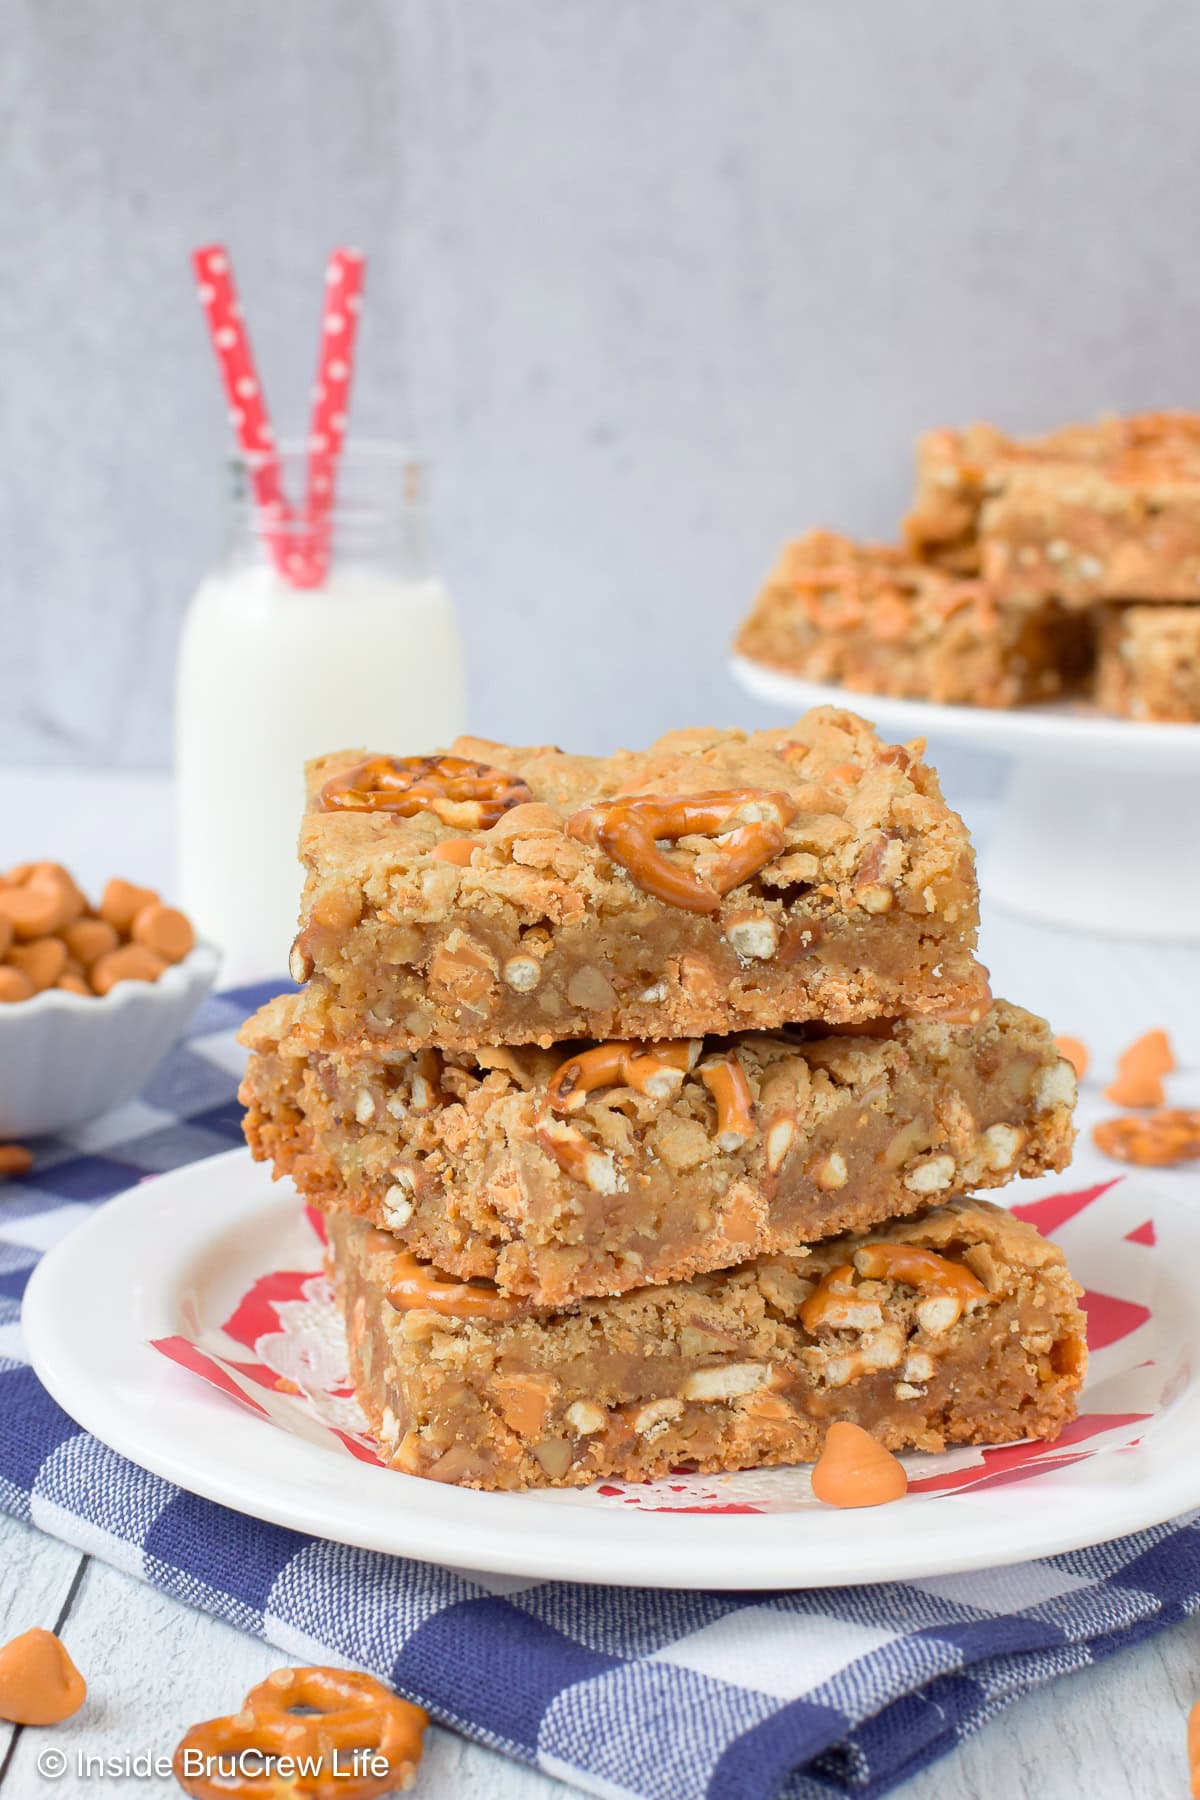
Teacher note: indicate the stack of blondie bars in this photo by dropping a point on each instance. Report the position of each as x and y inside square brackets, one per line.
[643, 1095]
[1063, 564]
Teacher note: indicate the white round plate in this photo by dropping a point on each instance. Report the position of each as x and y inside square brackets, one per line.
[177, 1254]
[1054, 731]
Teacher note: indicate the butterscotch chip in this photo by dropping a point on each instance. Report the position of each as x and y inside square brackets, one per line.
[39, 1684]
[14, 985]
[165, 930]
[73, 983]
[454, 850]
[1076, 1053]
[15, 1159]
[88, 939]
[121, 903]
[55, 871]
[48, 901]
[6, 933]
[132, 962]
[1140, 1070]
[854, 1469]
[41, 962]
[54, 875]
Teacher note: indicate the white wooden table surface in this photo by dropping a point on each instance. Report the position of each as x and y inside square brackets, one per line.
[154, 1665]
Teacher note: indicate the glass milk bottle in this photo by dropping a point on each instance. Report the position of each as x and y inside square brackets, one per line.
[270, 674]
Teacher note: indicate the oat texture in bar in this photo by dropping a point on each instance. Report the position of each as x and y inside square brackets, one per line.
[1090, 512]
[960, 1327]
[1148, 663]
[719, 881]
[874, 618]
[592, 1169]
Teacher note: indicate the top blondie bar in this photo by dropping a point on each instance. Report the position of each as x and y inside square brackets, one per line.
[717, 881]
[1087, 513]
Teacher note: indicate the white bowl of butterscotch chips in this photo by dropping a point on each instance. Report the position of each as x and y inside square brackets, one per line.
[92, 996]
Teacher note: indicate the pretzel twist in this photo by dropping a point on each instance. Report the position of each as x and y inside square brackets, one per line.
[748, 824]
[468, 795]
[332, 1749]
[415, 1286]
[922, 1269]
[930, 1274]
[656, 1070]
[1157, 1140]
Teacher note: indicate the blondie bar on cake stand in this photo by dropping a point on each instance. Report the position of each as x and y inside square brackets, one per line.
[1100, 824]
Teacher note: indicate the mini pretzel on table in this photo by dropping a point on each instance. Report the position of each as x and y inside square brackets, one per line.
[344, 1713]
[1157, 1140]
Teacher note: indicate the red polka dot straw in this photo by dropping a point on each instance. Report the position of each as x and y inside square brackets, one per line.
[301, 556]
[243, 390]
[331, 397]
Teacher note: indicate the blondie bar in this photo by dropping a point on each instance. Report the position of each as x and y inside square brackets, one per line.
[876, 619]
[1148, 662]
[717, 881]
[1091, 512]
[574, 1171]
[959, 1327]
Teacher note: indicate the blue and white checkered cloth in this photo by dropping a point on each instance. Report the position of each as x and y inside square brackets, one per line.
[666, 1696]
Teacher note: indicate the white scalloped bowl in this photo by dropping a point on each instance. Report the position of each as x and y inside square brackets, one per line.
[66, 1058]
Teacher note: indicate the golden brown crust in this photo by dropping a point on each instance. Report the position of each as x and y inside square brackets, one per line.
[1086, 513]
[720, 1372]
[879, 621]
[869, 907]
[843, 1131]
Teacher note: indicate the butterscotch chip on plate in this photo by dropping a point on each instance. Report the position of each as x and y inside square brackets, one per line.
[718, 881]
[961, 1327]
[580, 1170]
[854, 1469]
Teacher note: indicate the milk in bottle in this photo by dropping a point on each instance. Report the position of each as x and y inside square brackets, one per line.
[270, 674]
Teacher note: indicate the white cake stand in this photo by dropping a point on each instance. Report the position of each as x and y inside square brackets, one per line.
[1100, 827]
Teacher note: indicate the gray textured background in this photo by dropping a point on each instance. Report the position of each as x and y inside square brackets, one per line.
[654, 282]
